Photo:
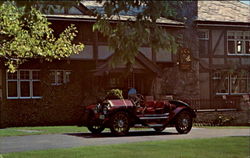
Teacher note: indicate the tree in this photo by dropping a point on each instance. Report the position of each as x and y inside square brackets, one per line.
[25, 34]
[132, 32]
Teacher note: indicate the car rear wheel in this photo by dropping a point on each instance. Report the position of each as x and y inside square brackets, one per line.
[184, 122]
[95, 129]
[120, 124]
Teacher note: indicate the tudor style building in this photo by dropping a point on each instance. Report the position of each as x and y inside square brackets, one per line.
[224, 48]
[214, 64]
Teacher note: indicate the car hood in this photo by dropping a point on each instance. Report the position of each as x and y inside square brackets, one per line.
[120, 102]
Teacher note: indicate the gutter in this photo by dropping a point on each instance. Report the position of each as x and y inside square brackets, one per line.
[223, 24]
[93, 19]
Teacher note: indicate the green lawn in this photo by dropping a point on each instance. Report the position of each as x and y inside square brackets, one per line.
[228, 147]
[223, 127]
[19, 131]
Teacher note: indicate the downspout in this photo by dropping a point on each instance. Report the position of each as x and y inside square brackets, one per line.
[1, 94]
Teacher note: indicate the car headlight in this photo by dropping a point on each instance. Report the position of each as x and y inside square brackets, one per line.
[105, 110]
[106, 107]
[97, 108]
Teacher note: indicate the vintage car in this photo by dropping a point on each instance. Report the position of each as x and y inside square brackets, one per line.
[121, 114]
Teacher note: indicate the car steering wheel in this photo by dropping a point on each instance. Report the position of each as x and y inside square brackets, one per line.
[137, 99]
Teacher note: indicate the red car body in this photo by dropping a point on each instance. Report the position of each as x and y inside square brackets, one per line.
[121, 114]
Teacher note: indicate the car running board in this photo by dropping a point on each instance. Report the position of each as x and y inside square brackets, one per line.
[155, 125]
[154, 116]
[149, 125]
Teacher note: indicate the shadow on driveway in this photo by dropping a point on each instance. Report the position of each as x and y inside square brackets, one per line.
[130, 134]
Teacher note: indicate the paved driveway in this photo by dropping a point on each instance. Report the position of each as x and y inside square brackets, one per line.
[53, 141]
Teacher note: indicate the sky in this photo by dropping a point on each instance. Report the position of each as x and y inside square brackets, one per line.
[246, 1]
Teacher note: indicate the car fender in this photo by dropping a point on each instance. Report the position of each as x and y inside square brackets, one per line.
[180, 106]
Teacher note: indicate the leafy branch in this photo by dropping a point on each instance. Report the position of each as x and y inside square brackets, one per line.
[27, 35]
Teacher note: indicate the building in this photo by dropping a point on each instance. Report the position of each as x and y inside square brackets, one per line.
[224, 54]
[208, 66]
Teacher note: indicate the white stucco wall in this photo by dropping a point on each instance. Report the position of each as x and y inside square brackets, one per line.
[86, 54]
[163, 56]
[104, 52]
[218, 61]
[146, 51]
[215, 37]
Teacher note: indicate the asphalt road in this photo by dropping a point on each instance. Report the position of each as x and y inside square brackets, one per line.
[68, 140]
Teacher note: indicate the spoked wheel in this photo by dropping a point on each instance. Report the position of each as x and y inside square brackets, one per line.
[159, 129]
[120, 124]
[184, 122]
[95, 129]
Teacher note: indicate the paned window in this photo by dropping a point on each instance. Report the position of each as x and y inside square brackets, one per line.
[238, 42]
[203, 41]
[23, 84]
[59, 77]
[231, 83]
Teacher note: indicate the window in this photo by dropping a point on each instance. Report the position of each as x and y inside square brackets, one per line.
[238, 42]
[59, 77]
[23, 84]
[231, 83]
[114, 82]
[203, 41]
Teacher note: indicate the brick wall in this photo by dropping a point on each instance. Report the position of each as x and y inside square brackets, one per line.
[230, 117]
[59, 105]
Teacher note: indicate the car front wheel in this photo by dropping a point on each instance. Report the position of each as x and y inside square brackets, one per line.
[183, 123]
[95, 129]
[120, 124]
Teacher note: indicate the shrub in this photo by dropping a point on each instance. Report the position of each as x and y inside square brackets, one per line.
[114, 94]
[222, 120]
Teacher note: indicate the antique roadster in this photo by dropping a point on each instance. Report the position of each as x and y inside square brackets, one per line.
[121, 114]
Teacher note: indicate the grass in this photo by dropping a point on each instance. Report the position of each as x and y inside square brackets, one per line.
[20, 131]
[227, 147]
[224, 127]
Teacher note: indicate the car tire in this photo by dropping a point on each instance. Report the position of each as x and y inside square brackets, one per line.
[159, 129]
[95, 129]
[120, 124]
[183, 122]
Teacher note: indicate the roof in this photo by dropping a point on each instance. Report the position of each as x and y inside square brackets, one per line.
[129, 15]
[115, 18]
[142, 59]
[223, 11]
[90, 4]
[162, 21]
[208, 11]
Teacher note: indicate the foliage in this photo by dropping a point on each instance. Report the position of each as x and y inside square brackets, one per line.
[127, 35]
[114, 94]
[219, 120]
[26, 34]
[222, 120]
